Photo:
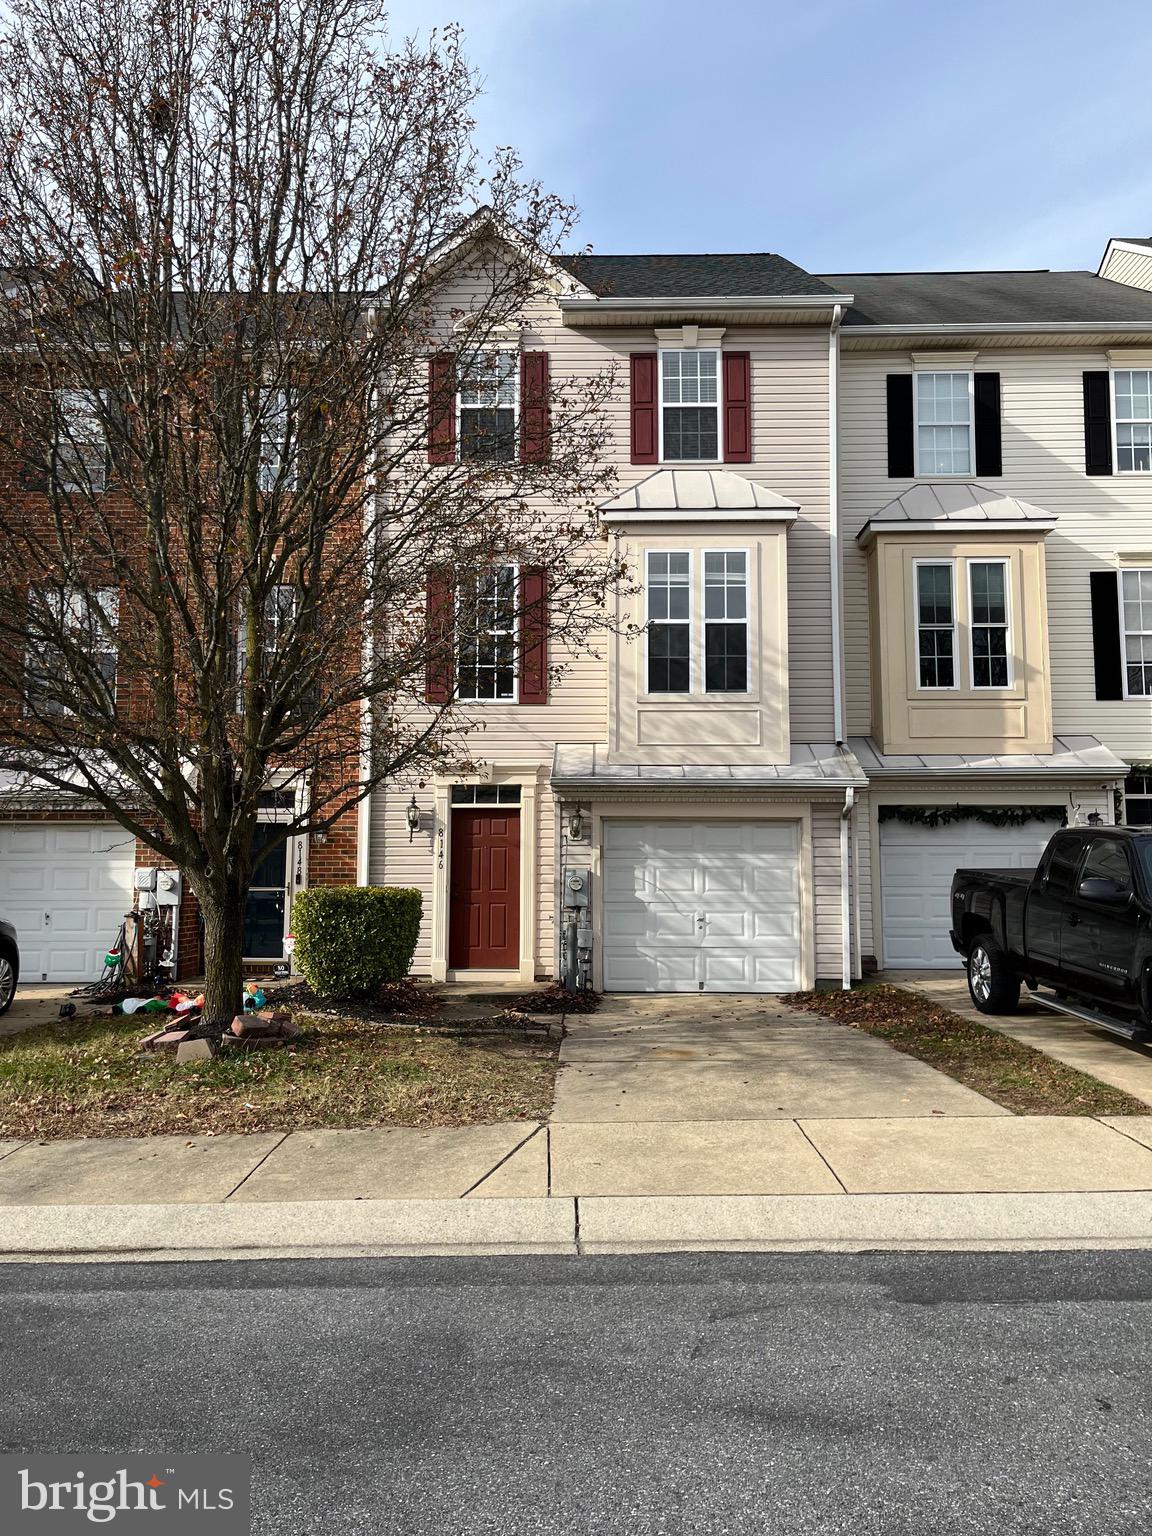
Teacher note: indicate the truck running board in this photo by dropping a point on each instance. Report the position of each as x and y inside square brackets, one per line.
[1127, 1031]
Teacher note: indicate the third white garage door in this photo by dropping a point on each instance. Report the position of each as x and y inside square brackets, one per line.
[66, 886]
[916, 868]
[701, 906]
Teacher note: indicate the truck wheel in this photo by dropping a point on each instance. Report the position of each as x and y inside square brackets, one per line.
[993, 985]
[8, 964]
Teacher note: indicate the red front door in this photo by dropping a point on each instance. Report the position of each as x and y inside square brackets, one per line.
[484, 911]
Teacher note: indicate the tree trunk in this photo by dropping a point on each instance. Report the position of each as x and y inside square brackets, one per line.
[223, 959]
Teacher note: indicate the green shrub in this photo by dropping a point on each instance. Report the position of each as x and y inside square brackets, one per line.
[351, 939]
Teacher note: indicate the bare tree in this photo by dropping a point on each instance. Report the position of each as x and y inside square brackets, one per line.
[222, 231]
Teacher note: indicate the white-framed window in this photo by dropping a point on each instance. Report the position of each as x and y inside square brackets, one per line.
[281, 605]
[696, 623]
[690, 405]
[278, 442]
[935, 623]
[943, 411]
[990, 649]
[486, 404]
[1136, 632]
[80, 457]
[486, 633]
[88, 620]
[725, 621]
[668, 588]
[1132, 418]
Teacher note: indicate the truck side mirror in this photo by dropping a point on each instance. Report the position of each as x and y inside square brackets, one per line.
[1111, 892]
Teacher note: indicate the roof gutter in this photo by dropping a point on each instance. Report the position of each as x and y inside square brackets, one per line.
[831, 301]
[1004, 328]
[835, 551]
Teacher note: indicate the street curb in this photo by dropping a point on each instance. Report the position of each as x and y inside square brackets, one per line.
[583, 1226]
[286, 1229]
[615, 1224]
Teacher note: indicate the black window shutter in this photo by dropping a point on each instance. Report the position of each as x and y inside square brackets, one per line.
[986, 397]
[1106, 634]
[901, 446]
[1097, 424]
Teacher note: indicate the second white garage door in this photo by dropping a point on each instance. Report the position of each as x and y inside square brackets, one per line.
[701, 906]
[66, 886]
[916, 868]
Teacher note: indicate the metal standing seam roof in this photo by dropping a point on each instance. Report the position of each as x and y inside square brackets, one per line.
[988, 298]
[699, 490]
[962, 503]
[813, 765]
[1071, 757]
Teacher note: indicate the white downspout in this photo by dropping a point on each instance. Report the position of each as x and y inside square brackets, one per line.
[834, 552]
[846, 891]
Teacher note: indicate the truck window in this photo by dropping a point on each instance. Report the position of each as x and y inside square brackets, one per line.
[1063, 861]
[1107, 860]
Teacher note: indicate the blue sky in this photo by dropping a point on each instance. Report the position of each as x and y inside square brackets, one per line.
[849, 135]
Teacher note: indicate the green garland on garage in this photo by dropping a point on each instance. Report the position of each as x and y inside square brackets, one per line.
[994, 815]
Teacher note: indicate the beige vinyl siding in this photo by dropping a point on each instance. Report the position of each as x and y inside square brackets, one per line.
[1099, 519]
[826, 890]
[1133, 267]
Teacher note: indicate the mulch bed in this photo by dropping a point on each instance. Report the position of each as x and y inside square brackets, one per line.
[1005, 1070]
[406, 999]
[557, 999]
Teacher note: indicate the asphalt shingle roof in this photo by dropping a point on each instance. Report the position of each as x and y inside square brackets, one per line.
[993, 298]
[755, 275]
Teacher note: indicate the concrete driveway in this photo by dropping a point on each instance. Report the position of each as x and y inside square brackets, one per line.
[727, 1095]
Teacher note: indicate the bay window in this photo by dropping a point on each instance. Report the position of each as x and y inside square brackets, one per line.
[988, 623]
[935, 624]
[697, 645]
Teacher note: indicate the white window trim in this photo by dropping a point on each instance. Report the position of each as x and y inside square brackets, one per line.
[694, 661]
[920, 687]
[1009, 647]
[1128, 420]
[1145, 570]
[512, 347]
[517, 625]
[63, 440]
[242, 637]
[970, 472]
[726, 693]
[719, 354]
[283, 470]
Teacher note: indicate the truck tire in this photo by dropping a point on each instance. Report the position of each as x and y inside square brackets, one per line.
[993, 985]
[9, 966]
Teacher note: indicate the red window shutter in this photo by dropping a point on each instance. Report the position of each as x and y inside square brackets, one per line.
[645, 404]
[737, 408]
[535, 447]
[534, 635]
[438, 675]
[442, 408]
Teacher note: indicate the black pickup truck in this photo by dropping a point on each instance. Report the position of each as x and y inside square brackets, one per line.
[1077, 929]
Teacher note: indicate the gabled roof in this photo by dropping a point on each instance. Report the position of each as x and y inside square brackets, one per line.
[754, 275]
[964, 505]
[988, 298]
[674, 493]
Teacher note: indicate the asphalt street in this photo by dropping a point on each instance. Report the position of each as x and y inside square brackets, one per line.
[683, 1394]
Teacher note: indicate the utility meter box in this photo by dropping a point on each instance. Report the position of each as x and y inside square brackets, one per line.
[167, 892]
[578, 889]
[144, 879]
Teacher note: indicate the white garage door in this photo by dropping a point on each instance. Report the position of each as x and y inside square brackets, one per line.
[66, 886]
[701, 906]
[916, 868]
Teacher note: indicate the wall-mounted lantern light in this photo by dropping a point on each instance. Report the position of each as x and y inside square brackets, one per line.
[413, 815]
[576, 826]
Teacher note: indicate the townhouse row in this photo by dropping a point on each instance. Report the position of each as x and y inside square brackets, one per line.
[891, 614]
